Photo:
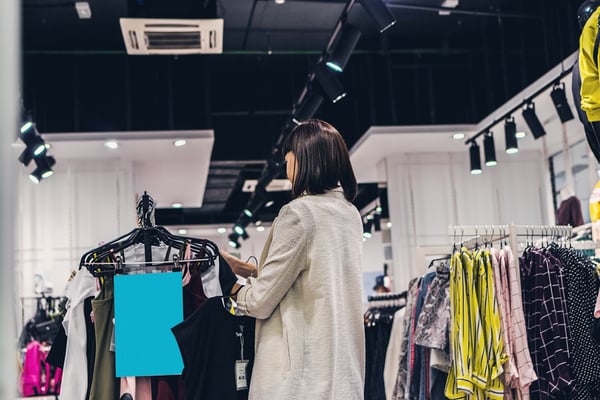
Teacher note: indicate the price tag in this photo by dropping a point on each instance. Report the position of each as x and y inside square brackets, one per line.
[241, 381]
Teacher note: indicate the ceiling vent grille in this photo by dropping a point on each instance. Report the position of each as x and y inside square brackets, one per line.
[172, 36]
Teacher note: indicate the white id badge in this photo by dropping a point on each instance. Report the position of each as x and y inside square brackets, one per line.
[241, 381]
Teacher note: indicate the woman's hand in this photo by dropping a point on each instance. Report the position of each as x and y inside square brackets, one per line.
[238, 266]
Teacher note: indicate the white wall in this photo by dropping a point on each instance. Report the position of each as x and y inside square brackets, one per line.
[80, 206]
[429, 192]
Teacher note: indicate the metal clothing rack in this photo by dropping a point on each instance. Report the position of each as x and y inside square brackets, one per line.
[388, 296]
[511, 232]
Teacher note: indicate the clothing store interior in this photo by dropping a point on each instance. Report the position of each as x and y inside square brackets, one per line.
[142, 138]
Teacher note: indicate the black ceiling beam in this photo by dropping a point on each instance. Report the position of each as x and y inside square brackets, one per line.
[459, 11]
[249, 26]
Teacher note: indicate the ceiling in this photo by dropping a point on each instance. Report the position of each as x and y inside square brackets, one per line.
[428, 69]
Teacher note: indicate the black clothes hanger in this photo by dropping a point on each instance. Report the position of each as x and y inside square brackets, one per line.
[446, 257]
[109, 258]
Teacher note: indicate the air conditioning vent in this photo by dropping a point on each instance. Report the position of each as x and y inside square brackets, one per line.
[172, 36]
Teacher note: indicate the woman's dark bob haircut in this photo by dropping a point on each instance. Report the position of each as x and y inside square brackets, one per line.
[322, 157]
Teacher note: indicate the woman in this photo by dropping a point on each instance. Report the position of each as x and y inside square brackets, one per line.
[307, 291]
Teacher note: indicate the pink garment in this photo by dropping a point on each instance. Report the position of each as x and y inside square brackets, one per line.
[38, 377]
[597, 308]
[502, 294]
[31, 377]
[525, 374]
[140, 387]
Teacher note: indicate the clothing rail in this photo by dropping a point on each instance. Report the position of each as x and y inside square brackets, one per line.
[118, 265]
[388, 296]
[150, 263]
[511, 232]
[510, 229]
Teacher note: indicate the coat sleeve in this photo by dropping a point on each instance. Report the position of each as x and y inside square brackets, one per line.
[285, 260]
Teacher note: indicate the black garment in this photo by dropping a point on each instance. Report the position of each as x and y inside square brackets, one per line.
[569, 212]
[381, 332]
[209, 345]
[226, 277]
[56, 356]
[546, 321]
[171, 387]
[582, 290]
[592, 134]
[90, 348]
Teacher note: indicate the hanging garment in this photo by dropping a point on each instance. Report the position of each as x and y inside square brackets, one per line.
[377, 338]
[518, 330]
[546, 326]
[56, 356]
[392, 356]
[135, 388]
[502, 295]
[433, 323]
[476, 340]
[75, 372]
[400, 388]
[146, 307]
[104, 383]
[569, 212]
[172, 387]
[217, 348]
[418, 361]
[582, 287]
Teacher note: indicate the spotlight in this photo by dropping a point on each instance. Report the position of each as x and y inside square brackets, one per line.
[475, 158]
[458, 136]
[182, 231]
[44, 168]
[38, 146]
[489, 149]
[179, 142]
[510, 136]
[269, 203]
[309, 107]
[239, 229]
[260, 228]
[233, 241]
[26, 126]
[367, 226]
[343, 49]
[221, 230]
[329, 83]
[26, 157]
[560, 103]
[377, 222]
[535, 126]
[520, 135]
[380, 13]
[257, 222]
[34, 142]
[176, 205]
[248, 213]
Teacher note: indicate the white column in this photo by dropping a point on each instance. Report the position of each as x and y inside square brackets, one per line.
[9, 87]
[546, 184]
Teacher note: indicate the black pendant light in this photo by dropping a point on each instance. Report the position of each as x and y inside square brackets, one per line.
[475, 157]
[510, 136]
[489, 150]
